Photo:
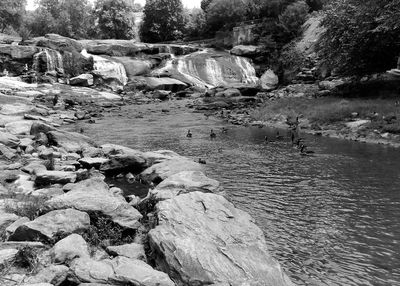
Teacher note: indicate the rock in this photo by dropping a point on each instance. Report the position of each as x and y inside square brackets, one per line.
[7, 152]
[135, 67]
[40, 127]
[12, 227]
[160, 171]
[159, 156]
[121, 271]
[69, 248]
[93, 195]
[22, 127]
[70, 141]
[44, 178]
[357, 124]
[7, 256]
[162, 83]
[48, 192]
[9, 140]
[331, 84]
[161, 94]
[269, 80]
[18, 52]
[133, 251]
[25, 142]
[82, 80]
[203, 239]
[57, 42]
[34, 167]
[52, 274]
[47, 226]
[184, 182]
[89, 163]
[245, 51]
[230, 92]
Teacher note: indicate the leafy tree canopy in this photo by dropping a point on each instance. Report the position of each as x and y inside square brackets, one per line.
[11, 12]
[163, 21]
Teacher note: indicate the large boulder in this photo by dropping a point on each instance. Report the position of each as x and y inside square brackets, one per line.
[57, 42]
[185, 182]
[135, 67]
[202, 239]
[69, 248]
[94, 195]
[45, 177]
[160, 171]
[122, 158]
[82, 80]
[47, 226]
[158, 83]
[153, 157]
[53, 274]
[9, 139]
[269, 80]
[245, 51]
[70, 141]
[119, 271]
[132, 250]
[21, 127]
[18, 52]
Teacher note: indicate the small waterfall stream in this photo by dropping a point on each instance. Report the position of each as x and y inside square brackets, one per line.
[48, 60]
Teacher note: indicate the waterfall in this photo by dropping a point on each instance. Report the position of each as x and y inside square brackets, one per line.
[108, 69]
[249, 72]
[214, 72]
[48, 60]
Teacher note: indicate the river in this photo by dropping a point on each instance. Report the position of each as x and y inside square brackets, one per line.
[330, 219]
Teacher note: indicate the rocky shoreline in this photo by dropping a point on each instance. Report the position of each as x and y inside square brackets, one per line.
[63, 225]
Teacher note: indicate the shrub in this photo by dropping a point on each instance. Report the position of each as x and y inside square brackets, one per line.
[27, 257]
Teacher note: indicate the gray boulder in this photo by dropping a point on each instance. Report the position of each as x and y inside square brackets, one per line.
[269, 80]
[45, 177]
[245, 50]
[203, 239]
[132, 250]
[69, 248]
[9, 140]
[185, 182]
[120, 271]
[47, 226]
[82, 80]
[94, 195]
[160, 171]
[53, 274]
[70, 141]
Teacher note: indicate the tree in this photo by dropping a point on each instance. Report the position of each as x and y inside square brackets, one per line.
[204, 4]
[362, 36]
[195, 23]
[115, 19]
[11, 12]
[163, 21]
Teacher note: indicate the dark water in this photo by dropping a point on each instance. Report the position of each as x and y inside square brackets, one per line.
[330, 219]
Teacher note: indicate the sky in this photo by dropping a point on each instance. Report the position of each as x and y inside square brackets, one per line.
[186, 3]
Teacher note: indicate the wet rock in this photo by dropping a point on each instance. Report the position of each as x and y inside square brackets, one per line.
[40, 127]
[245, 50]
[94, 195]
[7, 152]
[269, 80]
[120, 270]
[70, 141]
[44, 178]
[53, 274]
[133, 251]
[160, 171]
[82, 80]
[69, 248]
[89, 163]
[203, 239]
[47, 226]
[9, 140]
[185, 182]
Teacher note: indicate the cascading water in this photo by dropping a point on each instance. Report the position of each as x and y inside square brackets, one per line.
[48, 60]
[108, 69]
[207, 69]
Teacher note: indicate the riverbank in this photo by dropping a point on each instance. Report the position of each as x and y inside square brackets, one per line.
[372, 121]
[61, 223]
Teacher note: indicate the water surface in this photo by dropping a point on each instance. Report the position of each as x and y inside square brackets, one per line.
[330, 219]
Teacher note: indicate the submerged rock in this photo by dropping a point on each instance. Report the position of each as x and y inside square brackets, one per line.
[203, 239]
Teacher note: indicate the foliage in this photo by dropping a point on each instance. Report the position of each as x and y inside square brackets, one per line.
[71, 18]
[26, 206]
[163, 21]
[103, 231]
[75, 64]
[291, 20]
[27, 257]
[362, 36]
[195, 23]
[115, 19]
[11, 13]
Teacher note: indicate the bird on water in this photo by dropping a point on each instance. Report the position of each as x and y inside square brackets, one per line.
[212, 134]
[189, 134]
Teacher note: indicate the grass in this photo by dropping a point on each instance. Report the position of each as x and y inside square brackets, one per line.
[335, 110]
[27, 258]
[26, 206]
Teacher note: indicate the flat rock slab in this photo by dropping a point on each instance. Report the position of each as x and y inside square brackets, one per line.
[203, 239]
[89, 163]
[120, 271]
[70, 141]
[160, 171]
[132, 250]
[9, 139]
[47, 226]
[185, 182]
[22, 127]
[45, 177]
[94, 195]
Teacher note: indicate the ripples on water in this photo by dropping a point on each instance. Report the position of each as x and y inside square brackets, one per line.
[330, 219]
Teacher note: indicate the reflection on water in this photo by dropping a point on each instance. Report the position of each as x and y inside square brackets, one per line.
[330, 219]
